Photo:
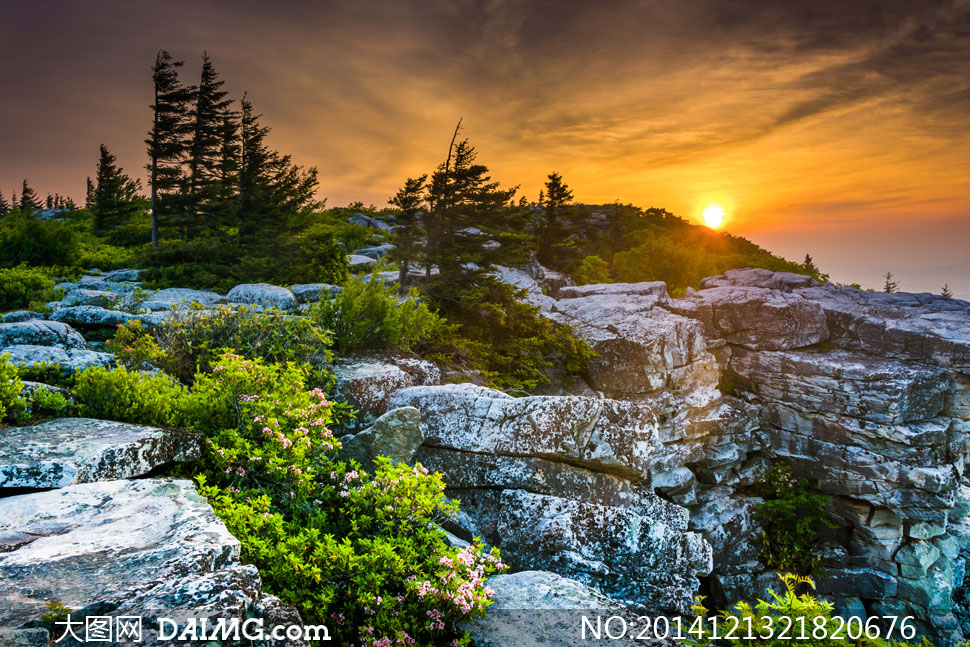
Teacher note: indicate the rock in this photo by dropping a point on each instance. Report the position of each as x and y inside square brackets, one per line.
[377, 252]
[358, 262]
[310, 292]
[263, 294]
[864, 583]
[21, 315]
[68, 360]
[69, 451]
[165, 299]
[759, 278]
[646, 556]
[647, 288]
[92, 317]
[82, 297]
[369, 222]
[396, 434]
[760, 318]
[367, 383]
[24, 638]
[116, 276]
[538, 608]
[40, 333]
[151, 548]
[603, 435]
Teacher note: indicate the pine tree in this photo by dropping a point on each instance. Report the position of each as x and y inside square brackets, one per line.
[556, 225]
[275, 196]
[4, 205]
[116, 196]
[230, 160]
[410, 199]
[89, 194]
[890, 285]
[49, 201]
[209, 121]
[29, 202]
[167, 140]
[946, 291]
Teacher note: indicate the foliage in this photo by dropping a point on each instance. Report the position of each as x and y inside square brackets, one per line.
[358, 551]
[135, 347]
[764, 623]
[120, 394]
[53, 618]
[36, 242]
[11, 387]
[792, 516]
[511, 344]
[25, 287]
[368, 315]
[592, 269]
[47, 373]
[49, 403]
[116, 197]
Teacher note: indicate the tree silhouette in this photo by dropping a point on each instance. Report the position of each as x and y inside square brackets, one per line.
[946, 291]
[891, 285]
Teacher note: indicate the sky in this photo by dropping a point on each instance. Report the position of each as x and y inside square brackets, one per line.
[839, 129]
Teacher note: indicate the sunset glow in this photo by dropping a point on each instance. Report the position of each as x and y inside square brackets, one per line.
[713, 215]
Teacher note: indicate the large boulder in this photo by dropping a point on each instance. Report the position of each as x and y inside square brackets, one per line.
[169, 297]
[357, 262]
[369, 222]
[69, 451]
[367, 383]
[21, 315]
[539, 608]
[69, 361]
[40, 333]
[263, 294]
[150, 548]
[604, 435]
[397, 434]
[376, 252]
[643, 555]
[85, 297]
[92, 317]
[311, 292]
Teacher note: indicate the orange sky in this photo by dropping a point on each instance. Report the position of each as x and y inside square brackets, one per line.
[838, 129]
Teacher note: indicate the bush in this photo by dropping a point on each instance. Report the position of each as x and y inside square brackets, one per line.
[120, 394]
[591, 269]
[36, 242]
[792, 516]
[25, 287]
[368, 315]
[49, 403]
[189, 338]
[11, 386]
[803, 614]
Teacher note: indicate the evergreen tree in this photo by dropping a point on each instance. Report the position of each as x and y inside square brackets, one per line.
[556, 225]
[946, 291]
[225, 208]
[275, 196]
[469, 213]
[89, 194]
[891, 285]
[49, 201]
[116, 196]
[29, 202]
[167, 140]
[209, 122]
[4, 205]
[410, 200]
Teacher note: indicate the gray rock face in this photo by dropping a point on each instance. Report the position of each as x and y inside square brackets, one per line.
[21, 315]
[371, 223]
[263, 294]
[645, 555]
[40, 333]
[376, 252]
[538, 608]
[151, 548]
[310, 292]
[86, 297]
[397, 434]
[605, 435]
[360, 262]
[92, 317]
[69, 451]
[165, 299]
[367, 383]
[67, 360]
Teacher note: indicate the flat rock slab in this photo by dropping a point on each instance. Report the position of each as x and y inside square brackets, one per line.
[152, 548]
[92, 316]
[263, 294]
[81, 450]
[76, 359]
[40, 333]
[165, 299]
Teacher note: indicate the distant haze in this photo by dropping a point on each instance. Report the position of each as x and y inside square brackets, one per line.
[837, 129]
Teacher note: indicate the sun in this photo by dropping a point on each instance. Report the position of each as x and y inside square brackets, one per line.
[713, 215]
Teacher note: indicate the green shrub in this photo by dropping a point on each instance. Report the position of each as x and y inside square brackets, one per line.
[190, 336]
[11, 386]
[368, 315]
[25, 287]
[47, 373]
[120, 394]
[591, 269]
[49, 403]
[808, 620]
[792, 515]
[36, 242]
[134, 347]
